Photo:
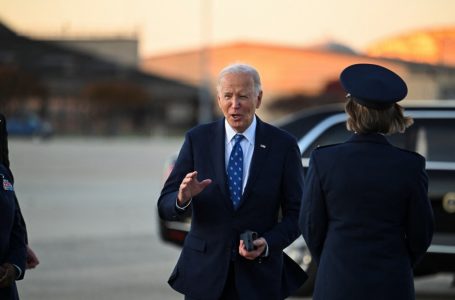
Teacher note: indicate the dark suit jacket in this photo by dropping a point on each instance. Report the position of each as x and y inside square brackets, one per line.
[275, 181]
[366, 218]
[12, 234]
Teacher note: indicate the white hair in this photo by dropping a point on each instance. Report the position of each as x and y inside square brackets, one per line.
[240, 68]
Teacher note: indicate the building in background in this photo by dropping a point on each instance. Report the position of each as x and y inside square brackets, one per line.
[122, 49]
[80, 89]
[94, 85]
[295, 78]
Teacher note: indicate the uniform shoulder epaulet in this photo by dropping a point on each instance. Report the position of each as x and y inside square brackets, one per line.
[411, 152]
[326, 146]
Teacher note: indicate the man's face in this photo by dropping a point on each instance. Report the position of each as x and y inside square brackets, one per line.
[237, 100]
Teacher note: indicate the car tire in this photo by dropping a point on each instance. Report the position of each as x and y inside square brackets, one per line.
[307, 288]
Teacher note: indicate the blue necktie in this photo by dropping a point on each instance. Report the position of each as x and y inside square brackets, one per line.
[235, 171]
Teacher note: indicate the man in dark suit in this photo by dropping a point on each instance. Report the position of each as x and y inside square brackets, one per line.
[365, 212]
[236, 174]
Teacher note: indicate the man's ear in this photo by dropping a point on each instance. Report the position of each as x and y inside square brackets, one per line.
[218, 100]
[259, 100]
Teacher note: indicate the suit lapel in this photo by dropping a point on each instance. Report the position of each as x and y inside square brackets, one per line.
[261, 149]
[218, 148]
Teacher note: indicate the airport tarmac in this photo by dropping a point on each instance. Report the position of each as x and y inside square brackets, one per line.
[90, 207]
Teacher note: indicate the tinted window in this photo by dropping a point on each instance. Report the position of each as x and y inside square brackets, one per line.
[435, 139]
[335, 134]
[338, 134]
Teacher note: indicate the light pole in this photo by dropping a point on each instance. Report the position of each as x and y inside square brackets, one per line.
[205, 103]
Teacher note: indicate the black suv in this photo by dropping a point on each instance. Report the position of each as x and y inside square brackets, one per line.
[432, 135]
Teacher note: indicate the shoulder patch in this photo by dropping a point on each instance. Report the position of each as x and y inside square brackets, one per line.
[7, 185]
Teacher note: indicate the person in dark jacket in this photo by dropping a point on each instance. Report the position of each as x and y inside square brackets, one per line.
[365, 212]
[236, 174]
[32, 258]
[13, 248]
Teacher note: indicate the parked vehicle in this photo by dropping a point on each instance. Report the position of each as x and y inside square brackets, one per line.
[432, 135]
[28, 125]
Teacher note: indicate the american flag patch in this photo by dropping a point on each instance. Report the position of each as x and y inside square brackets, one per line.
[7, 186]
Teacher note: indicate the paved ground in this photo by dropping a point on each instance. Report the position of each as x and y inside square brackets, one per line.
[90, 209]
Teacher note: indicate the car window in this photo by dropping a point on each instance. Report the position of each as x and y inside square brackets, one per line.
[333, 135]
[338, 134]
[436, 139]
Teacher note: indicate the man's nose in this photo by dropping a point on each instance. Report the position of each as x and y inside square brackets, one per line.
[235, 102]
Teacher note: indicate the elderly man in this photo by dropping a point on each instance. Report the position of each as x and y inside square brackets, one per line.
[236, 174]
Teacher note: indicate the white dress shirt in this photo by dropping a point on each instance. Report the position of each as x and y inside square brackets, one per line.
[247, 145]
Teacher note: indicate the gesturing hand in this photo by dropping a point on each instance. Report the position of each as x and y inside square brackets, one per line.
[190, 187]
[32, 259]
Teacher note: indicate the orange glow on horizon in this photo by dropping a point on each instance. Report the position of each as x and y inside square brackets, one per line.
[428, 46]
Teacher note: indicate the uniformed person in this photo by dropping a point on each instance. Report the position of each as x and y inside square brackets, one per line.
[365, 212]
[32, 258]
[13, 248]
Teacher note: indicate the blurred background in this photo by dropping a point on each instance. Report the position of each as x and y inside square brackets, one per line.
[98, 94]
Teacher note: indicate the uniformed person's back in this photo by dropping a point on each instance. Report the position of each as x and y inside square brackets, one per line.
[365, 212]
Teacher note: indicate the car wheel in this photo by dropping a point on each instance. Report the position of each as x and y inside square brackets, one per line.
[307, 288]
[300, 253]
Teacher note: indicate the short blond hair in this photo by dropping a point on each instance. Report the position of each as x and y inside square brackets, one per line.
[362, 119]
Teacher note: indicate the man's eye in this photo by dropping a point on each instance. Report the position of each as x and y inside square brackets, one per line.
[228, 96]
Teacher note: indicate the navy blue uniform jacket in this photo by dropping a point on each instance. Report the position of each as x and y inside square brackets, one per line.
[366, 218]
[12, 232]
[275, 181]
[4, 159]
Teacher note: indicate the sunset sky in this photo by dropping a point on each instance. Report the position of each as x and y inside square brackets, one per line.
[173, 25]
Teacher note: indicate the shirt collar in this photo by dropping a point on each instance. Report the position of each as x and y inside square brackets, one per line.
[368, 137]
[249, 133]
